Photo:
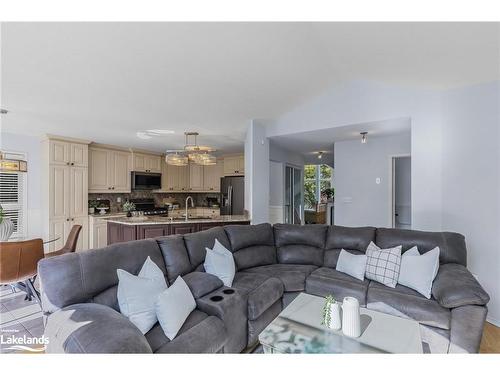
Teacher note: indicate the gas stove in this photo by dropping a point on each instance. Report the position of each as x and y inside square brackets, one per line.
[148, 208]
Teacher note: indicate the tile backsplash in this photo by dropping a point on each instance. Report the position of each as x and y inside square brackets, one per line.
[160, 198]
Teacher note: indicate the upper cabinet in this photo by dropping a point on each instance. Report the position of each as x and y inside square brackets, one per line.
[174, 178]
[109, 170]
[68, 153]
[212, 175]
[234, 165]
[196, 177]
[146, 163]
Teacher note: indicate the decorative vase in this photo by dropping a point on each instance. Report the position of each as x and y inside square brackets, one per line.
[6, 229]
[351, 324]
[335, 322]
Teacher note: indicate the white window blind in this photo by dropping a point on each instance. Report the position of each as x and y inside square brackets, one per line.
[12, 200]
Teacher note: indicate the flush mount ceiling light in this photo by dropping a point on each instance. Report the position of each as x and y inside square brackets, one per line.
[363, 137]
[192, 152]
[148, 134]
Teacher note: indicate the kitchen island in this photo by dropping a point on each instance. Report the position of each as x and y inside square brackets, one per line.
[122, 229]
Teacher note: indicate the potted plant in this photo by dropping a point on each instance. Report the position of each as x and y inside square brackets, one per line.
[6, 226]
[93, 204]
[331, 313]
[328, 194]
[128, 207]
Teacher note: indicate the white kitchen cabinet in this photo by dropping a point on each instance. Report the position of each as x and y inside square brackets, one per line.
[174, 178]
[147, 163]
[234, 165]
[196, 177]
[109, 171]
[68, 153]
[65, 190]
[212, 175]
[98, 230]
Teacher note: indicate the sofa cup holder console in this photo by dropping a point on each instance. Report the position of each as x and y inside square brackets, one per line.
[216, 298]
[228, 291]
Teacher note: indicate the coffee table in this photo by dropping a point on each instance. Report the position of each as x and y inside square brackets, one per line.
[298, 329]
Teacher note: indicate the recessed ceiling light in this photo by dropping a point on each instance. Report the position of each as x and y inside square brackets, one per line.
[320, 154]
[160, 131]
[143, 135]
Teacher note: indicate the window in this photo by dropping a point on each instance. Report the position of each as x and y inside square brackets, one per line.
[317, 178]
[13, 197]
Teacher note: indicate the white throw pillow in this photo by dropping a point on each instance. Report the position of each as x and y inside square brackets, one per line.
[137, 294]
[419, 271]
[351, 264]
[383, 265]
[220, 262]
[173, 307]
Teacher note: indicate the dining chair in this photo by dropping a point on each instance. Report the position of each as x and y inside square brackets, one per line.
[70, 245]
[18, 265]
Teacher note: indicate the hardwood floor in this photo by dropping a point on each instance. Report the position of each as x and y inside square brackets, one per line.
[491, 339]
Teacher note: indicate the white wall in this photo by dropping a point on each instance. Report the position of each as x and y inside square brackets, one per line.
[359, 200]
[471, 174]
[360, 102]
[257, 173]
[31, 146]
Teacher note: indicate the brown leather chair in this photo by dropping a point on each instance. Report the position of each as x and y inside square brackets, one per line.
[18, 264]
[70, 245]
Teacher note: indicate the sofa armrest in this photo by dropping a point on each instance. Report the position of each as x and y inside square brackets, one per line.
[202, 283]
[93, 328]
[455, 286]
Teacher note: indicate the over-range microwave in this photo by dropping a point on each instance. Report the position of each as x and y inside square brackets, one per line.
[146, 181]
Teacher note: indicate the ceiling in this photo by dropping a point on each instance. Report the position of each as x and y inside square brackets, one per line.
[106, 81]
[310, 143]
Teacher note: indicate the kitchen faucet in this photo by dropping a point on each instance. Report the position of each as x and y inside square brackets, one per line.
[192, 205]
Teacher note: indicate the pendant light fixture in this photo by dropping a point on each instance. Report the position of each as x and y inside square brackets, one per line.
[363, 137]
[192, 152]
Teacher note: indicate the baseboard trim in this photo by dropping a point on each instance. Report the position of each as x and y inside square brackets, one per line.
[495, 322]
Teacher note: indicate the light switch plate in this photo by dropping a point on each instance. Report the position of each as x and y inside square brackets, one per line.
[377, 180]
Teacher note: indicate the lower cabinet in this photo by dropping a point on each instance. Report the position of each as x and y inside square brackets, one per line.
[59, 229]
[122, 232]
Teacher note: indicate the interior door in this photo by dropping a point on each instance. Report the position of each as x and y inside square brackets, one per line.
[293, 195]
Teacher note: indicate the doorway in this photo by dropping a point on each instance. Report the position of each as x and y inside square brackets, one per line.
[293, 195]
[401, 192]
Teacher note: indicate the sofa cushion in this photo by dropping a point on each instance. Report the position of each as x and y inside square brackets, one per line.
[202, 283]
[293, 276]
[200, 333]
[77, 277]
[175, 256]
[197, 242]
[325, 281]
[300, 244]
[407, 303]
[261, 291]
[455, 286]
[354, 240]
[252, 245]
[451, 245]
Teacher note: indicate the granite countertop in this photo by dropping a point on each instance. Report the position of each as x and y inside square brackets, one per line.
[152, 220]
[109, 214]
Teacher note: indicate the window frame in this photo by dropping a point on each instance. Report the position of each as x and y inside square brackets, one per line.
[23, 184]
[318, 179]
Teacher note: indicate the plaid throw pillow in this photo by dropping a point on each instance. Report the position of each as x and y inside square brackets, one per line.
[383, 264]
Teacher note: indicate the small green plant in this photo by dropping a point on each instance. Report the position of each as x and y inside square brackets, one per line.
[128, 206]
[93, 204]
[2, 214]
[327, 318]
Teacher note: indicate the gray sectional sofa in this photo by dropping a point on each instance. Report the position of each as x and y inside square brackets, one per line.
[274, 264]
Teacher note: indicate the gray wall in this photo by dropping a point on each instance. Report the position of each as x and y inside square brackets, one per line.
[359, 200]
[402, 193]
[32, 147]
[471, 174]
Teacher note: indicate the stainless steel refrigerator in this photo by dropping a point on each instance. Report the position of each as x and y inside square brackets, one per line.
[232, 195]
